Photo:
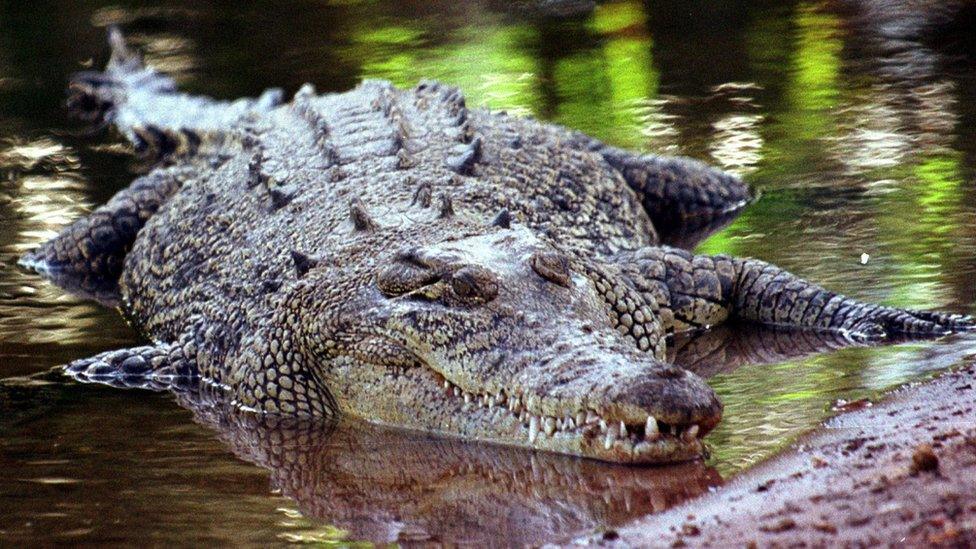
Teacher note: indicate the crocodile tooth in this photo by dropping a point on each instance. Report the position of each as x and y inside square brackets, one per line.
[500, 398]
[610, 439]
[569, 423]
[603, 425]
[580, 418]
[447, 384]
[550, 424]
[628, 446]
[491, 402]
[623, 429]
[533, 429]
[559, 424]
[457, 391]
[467, 397]
[690, 433]
[650, 429]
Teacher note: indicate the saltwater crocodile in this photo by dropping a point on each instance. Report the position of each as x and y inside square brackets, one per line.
[397, 256]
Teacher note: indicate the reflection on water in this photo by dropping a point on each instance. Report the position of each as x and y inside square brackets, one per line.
[858, 124]
[387, 486]
[343, 481]
[347, 480]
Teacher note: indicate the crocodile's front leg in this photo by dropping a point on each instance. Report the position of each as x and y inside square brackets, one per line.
[697, 291]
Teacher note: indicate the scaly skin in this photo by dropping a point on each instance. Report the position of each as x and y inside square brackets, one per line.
[396, 256]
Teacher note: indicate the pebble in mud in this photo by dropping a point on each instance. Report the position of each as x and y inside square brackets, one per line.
[924, 459]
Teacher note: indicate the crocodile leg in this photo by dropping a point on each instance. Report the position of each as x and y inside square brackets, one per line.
[161, 366]
[765, 293]
[681, 196]
[685, 199]
[698, 291]
[145, 106]
[96, 245]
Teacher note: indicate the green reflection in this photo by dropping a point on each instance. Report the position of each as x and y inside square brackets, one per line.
[799, 124]
[491, 63]
[817, 62]
[922, 219]
[601, 88]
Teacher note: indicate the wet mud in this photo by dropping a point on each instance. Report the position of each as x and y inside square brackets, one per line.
[900, 472]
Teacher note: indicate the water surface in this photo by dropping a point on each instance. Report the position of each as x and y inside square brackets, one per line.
[862, 143]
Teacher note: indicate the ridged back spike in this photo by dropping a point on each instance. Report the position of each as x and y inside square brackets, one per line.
[447, 206]
[255, 170]
[303, 263]
[424, 195]
[302, 105]
[361, 220]
[454, 100]
[281, 196]
[503, 220]
[403, 160]
[462, 158]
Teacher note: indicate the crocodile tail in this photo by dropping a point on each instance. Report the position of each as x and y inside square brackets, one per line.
[96, 96]
[145, 106]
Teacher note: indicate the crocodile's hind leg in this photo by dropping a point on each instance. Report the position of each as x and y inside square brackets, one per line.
[96, 245]
[685, 199]
[146, 107]
[698, 291]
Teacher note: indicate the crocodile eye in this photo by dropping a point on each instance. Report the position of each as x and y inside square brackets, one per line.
[552, 267]
[474, 284]
[404, 275]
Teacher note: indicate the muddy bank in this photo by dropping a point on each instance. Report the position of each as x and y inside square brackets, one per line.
[900, 472]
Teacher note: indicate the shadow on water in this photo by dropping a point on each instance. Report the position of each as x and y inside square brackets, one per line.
[858, 122]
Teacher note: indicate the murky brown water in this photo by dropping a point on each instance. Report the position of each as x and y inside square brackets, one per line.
[862, 145]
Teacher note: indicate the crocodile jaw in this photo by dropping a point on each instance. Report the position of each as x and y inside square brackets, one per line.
[421, 398]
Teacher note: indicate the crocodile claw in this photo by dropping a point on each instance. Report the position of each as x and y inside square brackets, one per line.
[888, 322]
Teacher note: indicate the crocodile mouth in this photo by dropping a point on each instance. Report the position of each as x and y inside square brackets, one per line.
[584, 431]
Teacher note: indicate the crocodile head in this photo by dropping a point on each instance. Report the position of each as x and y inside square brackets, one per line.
[500, 337]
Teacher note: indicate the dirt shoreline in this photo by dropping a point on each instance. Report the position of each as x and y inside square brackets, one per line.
[901, 472]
